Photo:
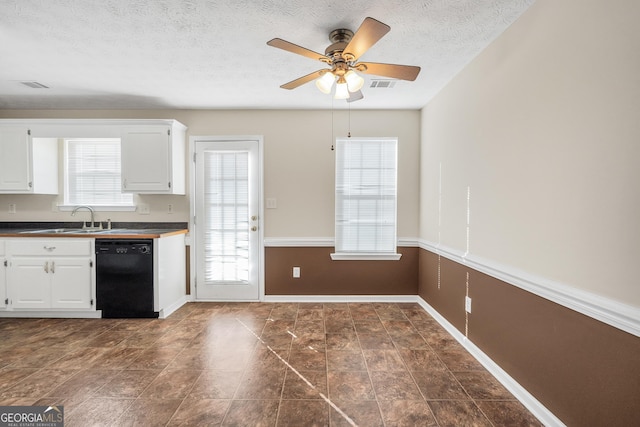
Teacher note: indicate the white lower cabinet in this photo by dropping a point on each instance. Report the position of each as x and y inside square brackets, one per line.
[50, 274]
[30, 283]
[71, 283]
[3, 276]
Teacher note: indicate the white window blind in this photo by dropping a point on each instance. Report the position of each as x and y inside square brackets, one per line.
[366, 171]
[92, 173]
[226, 231]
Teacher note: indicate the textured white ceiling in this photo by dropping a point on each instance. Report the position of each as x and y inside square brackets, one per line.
[134, 54]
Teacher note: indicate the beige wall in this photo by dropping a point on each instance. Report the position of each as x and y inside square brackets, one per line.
[543, 128]
[298, 164]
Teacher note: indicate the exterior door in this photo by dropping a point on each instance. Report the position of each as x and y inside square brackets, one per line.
[228, 219]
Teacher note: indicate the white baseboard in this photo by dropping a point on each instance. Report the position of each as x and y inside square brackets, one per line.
[94, 314]
[531, 403]
[166, 312]
[611, 312]
[339, 298]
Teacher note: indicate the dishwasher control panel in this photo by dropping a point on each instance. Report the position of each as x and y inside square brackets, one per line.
[124, 247]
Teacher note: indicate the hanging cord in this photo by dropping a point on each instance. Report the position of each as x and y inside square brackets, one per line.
[349, 130]
[332, 130]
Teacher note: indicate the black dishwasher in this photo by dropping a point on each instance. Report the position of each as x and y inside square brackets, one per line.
[124, 278]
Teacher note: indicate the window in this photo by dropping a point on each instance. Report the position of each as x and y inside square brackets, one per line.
[366, 198]
[92, 173]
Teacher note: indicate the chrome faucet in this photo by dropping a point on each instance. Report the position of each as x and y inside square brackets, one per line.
[84, 224]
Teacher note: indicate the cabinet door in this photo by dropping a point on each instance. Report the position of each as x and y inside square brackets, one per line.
[3, 277]
[15, 165]
[28, 282]
[70, 282]
[146, 160]
[3, 284]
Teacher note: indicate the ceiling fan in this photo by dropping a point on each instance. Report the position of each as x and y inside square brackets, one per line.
[342, 56]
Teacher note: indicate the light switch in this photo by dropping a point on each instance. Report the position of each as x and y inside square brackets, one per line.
[296, 272]
[272, 203]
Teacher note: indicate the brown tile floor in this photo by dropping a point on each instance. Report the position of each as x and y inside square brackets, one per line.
[254, 364]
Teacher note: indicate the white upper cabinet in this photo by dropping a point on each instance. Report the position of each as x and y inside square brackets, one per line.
[27, 165]
[153, 159]
[152, 153]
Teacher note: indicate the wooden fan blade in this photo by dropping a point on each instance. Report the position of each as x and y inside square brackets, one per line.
[302, 80]
[294, 48]
[402, 72]
[367, 35]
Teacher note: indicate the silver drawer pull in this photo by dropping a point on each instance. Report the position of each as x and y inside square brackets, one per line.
[53, 266]
[49, 248]
[46, 267]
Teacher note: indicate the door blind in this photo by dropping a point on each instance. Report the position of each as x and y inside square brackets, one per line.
[226, 202]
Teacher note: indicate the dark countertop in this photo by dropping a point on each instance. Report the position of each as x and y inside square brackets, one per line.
[118, 231]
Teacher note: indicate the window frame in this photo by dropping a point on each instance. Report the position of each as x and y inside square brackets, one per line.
[372, 253]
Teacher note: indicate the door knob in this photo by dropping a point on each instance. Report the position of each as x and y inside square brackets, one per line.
[254, 228]
[253, 218]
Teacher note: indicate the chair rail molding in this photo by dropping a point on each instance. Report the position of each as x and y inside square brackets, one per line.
[611, 312]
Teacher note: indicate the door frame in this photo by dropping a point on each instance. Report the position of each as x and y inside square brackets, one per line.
[193, 222]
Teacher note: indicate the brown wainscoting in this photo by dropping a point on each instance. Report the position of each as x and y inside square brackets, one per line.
[584, 371]
[320, 275]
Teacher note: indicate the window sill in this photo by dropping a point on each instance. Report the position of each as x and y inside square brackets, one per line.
[355, 256]
[99, 208]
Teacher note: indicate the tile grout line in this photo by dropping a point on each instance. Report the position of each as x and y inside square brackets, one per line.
[413, 378]
[456, 380]
[284, 379]
[246, 367]
[325, 398]
[367, 365]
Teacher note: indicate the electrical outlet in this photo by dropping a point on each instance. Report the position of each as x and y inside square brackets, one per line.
[12, 208]
[467, 304]
[169, 208]
[143, 209]
[296, 272]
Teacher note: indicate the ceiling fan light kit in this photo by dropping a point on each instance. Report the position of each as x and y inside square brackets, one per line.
[342, 89]
[342, 56]
[325, 83]
[354, 81]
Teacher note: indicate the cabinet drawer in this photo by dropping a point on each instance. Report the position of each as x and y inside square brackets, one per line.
[48, 247]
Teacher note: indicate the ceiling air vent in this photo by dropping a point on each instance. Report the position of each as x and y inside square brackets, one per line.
[383, 83]
[35, 85]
